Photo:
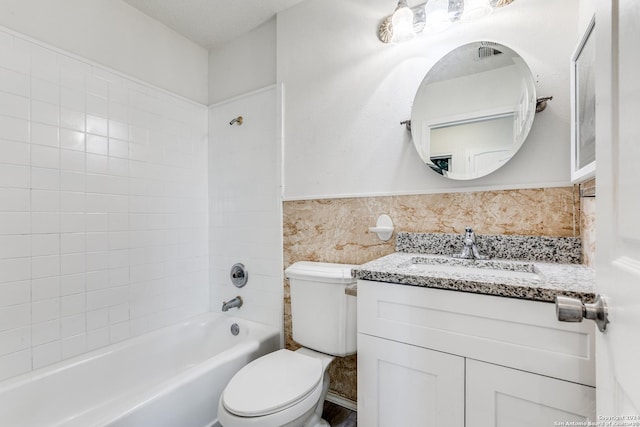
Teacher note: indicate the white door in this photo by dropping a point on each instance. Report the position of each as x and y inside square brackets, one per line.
[618, 206]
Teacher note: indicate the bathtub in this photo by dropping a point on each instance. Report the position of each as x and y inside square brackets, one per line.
[172, 377]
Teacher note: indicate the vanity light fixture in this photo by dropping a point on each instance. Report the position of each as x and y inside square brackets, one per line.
[398, 27]
[436, 16]
[476, 9]
[432, 16]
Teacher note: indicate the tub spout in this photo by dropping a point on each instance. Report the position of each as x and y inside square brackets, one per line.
[235, 302]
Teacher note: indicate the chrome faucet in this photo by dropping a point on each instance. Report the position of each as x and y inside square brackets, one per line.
[235, 302]
[470, 250]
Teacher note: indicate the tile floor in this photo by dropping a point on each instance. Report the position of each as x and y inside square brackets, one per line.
[338, 416]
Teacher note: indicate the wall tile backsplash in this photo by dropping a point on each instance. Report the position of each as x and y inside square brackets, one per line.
[565, 250]
[103, 207]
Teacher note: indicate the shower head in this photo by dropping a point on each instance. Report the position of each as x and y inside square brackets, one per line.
[237, 120]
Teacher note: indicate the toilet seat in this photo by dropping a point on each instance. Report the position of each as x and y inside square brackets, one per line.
[272, 383]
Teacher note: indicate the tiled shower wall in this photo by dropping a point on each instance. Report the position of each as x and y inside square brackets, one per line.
[103, 207]
[245, 208]
[336, 230]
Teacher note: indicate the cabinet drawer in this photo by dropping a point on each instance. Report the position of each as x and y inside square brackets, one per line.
[506, 331]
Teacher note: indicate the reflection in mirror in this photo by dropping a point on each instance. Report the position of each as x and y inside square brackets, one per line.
[473, 110]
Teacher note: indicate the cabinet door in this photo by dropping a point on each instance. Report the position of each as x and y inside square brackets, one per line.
[497, 396]
[403, 385]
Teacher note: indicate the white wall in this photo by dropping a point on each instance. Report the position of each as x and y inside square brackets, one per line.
[103, 207]
[478, 91]
[114, 34]
[245, 64]
[245, 208]
[346, 92]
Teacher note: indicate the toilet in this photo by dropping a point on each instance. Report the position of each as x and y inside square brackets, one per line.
[288, 388]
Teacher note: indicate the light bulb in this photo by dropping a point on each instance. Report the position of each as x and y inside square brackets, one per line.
[456, 9]
[436, 16]
[402, 23]
[476, 9]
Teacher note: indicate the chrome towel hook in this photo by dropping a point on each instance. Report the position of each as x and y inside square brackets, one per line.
[541, 103]
[237, 120]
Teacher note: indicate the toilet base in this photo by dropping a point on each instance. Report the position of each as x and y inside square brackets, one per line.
[316, 421]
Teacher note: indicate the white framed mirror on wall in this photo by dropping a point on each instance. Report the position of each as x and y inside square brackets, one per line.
[473, 110]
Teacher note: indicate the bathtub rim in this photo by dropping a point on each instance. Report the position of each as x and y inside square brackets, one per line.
[36, 374]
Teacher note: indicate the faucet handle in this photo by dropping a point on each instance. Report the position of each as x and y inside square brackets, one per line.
[469, 250]
[469, 234]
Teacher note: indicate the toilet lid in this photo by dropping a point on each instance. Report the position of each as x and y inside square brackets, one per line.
[272, 383]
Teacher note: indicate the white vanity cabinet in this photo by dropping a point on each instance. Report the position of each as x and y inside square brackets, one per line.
[431, 357]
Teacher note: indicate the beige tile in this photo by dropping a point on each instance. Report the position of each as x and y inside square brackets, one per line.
[588, 226]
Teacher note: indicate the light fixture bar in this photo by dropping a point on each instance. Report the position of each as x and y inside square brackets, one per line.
[455, 11]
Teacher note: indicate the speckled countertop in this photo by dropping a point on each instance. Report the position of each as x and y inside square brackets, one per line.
[571, 280]
[536, 279]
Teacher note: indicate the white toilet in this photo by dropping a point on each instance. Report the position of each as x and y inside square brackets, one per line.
[288, 388]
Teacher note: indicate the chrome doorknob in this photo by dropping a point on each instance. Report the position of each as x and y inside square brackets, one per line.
[569, 309]
[573, 310]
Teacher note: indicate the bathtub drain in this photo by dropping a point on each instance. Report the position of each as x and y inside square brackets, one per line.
[235, 329]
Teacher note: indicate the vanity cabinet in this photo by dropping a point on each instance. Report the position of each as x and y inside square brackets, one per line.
[431, 357]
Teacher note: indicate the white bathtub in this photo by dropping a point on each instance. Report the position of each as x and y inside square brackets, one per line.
[172, 377]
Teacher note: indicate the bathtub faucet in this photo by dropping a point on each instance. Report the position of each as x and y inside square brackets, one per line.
[235, 302]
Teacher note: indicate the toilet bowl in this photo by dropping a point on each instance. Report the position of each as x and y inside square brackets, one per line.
[288, 388]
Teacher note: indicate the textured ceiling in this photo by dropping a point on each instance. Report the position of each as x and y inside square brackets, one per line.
[211, 22]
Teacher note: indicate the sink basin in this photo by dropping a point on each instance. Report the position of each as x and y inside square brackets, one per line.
[439, 266]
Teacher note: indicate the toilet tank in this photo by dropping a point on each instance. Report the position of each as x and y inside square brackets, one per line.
[323, 317]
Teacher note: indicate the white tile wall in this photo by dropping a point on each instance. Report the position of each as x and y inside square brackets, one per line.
[245, 205]
[103, 207]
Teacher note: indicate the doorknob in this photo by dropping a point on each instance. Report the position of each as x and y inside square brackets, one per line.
[573, 310]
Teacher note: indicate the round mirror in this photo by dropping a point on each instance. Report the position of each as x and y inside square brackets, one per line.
[473, 110]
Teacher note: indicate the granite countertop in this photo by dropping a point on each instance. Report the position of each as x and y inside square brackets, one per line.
[550, 279]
